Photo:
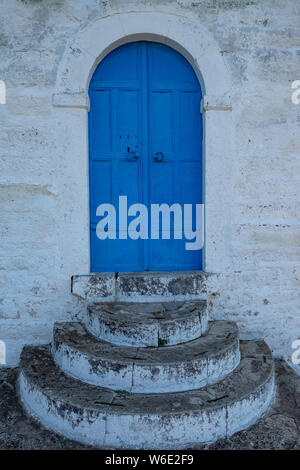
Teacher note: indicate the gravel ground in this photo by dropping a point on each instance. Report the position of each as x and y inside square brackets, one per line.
[280, 429]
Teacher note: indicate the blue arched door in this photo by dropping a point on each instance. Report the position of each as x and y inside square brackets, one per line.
[145, 142]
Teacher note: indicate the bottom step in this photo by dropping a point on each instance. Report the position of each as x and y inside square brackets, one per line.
[104, 418]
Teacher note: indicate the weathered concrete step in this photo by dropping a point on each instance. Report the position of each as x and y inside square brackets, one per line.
[141, 287]
[147, 324]
[104, 418]
[147, 370]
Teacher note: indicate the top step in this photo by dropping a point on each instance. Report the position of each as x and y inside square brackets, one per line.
[141, 287]
[147, 324]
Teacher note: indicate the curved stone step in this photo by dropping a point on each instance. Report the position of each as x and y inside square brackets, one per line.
[104, 418]
[147, 324]
[147, 370]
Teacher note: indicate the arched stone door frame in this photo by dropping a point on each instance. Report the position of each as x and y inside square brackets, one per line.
[187, 35]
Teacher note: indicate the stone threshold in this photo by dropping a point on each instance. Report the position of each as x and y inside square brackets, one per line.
[141, 286]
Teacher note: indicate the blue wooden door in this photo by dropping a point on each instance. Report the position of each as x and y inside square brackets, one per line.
[145, 141]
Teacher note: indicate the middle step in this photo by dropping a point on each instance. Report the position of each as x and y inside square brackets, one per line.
[188, 366]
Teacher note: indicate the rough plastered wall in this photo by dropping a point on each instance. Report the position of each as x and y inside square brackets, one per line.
[260, 42]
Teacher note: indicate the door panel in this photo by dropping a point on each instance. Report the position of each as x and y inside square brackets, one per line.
[175, 130]
[145, 140]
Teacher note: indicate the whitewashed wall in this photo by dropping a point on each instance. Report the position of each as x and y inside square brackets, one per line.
[260, 43]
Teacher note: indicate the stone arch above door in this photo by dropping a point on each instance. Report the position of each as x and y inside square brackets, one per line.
[185, 35]
[188, 36]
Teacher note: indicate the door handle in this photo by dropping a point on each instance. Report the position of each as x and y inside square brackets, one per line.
[132, 157]
[158, 157]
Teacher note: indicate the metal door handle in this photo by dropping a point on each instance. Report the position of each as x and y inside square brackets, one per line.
[132, 157]
[158, 157]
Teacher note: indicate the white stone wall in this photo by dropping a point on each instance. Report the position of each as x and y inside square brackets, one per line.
[260, 42]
